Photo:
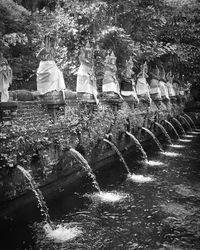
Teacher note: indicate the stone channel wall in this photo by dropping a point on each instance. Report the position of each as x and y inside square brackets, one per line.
[36, 135]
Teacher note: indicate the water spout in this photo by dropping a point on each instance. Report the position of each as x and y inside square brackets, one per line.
[173, 129]
[86, 167]
[191, 121]
[154, 138]
[167, 137]
[38, 195]
[138, 145]
[119, 154]
[186, 122]
[178, 124]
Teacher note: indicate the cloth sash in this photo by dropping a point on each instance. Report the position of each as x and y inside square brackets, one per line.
[164, 90]
[170, 89]
[128, 89]
[49, 77]
[5, 81]
[142, 89]
[86, 81]
[110, 83]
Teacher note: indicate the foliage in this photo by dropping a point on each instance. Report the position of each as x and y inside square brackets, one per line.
[148, 30]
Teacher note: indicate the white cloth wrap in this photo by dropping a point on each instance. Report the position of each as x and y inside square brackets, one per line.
[5, 81]
[110, 83]
[86, 82]
[142, 87]
[154, 87]
[164, 90]
[170, 89]
[49, 77]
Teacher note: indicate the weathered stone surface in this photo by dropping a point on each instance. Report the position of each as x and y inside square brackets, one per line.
[40, 134]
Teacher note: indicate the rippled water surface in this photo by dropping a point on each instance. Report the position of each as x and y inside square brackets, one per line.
[160, 214]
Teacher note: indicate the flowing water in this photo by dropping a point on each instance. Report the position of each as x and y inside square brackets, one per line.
[162, 214]
[173, 129]
[138, 145]
[191, 121]
[78, 156]
[38, 195]
[179, 125]
[157, 143]
[119, 154]
[186, 122]
[167, 137]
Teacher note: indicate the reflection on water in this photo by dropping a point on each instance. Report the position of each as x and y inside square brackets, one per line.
[160, 215]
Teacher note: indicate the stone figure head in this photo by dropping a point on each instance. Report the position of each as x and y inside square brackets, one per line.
[50, 41]
[88, 51]
[162, 73]
[112, 58]
[143, 71]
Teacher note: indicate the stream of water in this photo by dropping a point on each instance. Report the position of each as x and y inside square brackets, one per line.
[160, 215]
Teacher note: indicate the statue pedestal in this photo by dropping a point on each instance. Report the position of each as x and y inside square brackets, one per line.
[7, 112]
[111, 95]
[85, 96]
[53, 97]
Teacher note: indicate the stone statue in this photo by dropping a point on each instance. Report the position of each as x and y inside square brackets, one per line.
[110, 83]
[176, 85]
[142, 87]
[5, 78]
[49, 77]
[155, 91]
[86, 80]
[128, 83]
[163, 86]
[169, 85]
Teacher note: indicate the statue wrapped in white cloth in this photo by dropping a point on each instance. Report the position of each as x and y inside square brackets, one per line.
[49, 77]
[163, 86]
[110, 83]
[5, 78]
[86, 80]
[169, 85]
[155, 92]
[128, 83]
[142, 87]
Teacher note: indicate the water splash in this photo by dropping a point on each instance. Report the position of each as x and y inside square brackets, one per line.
[110, 196]
[119, 154]
[179, 125]
[195, 132]
[62, 233]
[173, 129]
[191, 121]
[138, 145]
[86, 167]
[38, 195]
[177, 146]
[167, 137]
[185, 140]
[154, 138]
[172, 154]
[140, 178]
[154, 163]
[186, 122]
[189, 136]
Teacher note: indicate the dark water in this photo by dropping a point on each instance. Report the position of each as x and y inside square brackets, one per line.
[163, 214]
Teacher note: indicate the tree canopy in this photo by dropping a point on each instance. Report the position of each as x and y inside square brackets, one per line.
[156, 31]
